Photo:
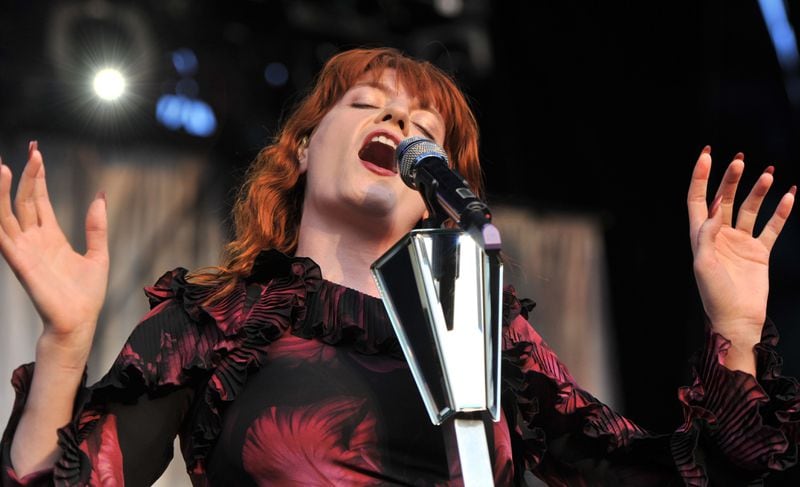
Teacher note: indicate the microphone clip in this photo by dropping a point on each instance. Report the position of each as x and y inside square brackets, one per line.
[436, 217]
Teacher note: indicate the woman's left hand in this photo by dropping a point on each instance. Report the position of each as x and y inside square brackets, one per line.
[731, 265]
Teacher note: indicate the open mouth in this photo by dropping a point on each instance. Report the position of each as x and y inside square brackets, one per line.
[379, 150]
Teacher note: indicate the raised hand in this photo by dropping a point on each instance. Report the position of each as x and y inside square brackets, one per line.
[67, 288]
[731, 264]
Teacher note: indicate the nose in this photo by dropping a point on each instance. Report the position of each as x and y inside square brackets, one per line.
[395, 114]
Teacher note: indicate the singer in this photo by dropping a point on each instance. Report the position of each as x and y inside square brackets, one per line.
[280, 367]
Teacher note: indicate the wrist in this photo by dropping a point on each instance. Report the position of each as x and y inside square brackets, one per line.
[65, 354]
[742, 333]
[741, 354]
[57, 376]
[740, 359]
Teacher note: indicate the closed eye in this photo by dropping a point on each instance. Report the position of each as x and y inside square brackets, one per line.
[362, 105]
[425, 131]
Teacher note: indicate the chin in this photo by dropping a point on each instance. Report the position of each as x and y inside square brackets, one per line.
[379, 202]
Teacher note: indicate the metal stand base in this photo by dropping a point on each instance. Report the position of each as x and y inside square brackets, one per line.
[468, 453]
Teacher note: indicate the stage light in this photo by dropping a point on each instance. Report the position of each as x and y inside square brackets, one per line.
[199, 119]
[109, 84]
[785, 43]
[185, 61]
[168, 111]
[276, 74]
[196, 117]
[183, 109]
[103, 54]
[449, 8]
[780, 30]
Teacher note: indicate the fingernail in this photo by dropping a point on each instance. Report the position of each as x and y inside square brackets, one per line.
[739, 155]
[32, 146]
[707, 149]
[715, 206]
[793, 190]
[770, 170]
[102, 196]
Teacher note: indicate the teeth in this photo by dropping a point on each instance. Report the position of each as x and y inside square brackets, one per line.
[384, 140]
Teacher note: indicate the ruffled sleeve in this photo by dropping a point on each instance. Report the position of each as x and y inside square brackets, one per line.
[736, 429]
[751, 424]
[152, 382]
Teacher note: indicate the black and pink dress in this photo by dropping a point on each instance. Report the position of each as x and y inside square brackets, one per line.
[294, 380]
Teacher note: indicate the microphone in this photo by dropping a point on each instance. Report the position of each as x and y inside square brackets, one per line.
[423, 165]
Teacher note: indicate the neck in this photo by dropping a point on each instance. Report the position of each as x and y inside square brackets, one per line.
[344, 253]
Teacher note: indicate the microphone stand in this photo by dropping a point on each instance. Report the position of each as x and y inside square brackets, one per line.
[443, 293]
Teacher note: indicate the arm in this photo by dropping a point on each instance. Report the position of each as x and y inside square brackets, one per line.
[129, 442]
[735, 430]
[123, 427]
[67, 290]
[49, 405]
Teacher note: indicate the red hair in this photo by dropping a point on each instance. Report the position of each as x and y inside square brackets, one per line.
[267, 211]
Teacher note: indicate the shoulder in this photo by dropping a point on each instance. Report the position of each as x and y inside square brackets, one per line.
[174, 341]
[516, 327]
[192, 328]
[173, 287]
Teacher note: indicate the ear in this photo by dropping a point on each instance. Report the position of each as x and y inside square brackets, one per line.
[302, 157]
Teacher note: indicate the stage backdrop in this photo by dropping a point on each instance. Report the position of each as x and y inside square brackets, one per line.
[559, 261]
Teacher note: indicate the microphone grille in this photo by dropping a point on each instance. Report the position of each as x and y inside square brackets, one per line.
[411, 151]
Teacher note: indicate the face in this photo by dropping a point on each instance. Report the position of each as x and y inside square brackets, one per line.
[349, 160]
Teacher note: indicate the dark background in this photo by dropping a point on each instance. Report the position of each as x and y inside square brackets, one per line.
[589, 107]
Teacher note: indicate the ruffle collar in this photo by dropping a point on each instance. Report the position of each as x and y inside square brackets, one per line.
[319, 308]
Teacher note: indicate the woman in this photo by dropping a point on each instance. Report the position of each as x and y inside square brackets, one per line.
[273, 375]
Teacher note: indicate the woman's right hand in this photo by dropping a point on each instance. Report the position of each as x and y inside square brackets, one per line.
[67, 288]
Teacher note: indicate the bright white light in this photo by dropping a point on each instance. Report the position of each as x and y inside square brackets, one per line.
[109, 84]
[449, 8]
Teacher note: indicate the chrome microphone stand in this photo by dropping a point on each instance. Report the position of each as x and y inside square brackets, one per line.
[443, 294]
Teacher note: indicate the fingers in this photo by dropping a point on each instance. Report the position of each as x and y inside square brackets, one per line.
[700, 220]
[44, 210]
[32, 202]
[9, 227]
[24, 202]
[696, 199]
[5, 180]
[778, 219]
[748, 212]
[97, 229]
[727, 188]
[708, 231]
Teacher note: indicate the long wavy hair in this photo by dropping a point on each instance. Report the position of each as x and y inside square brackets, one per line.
[268, 207]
